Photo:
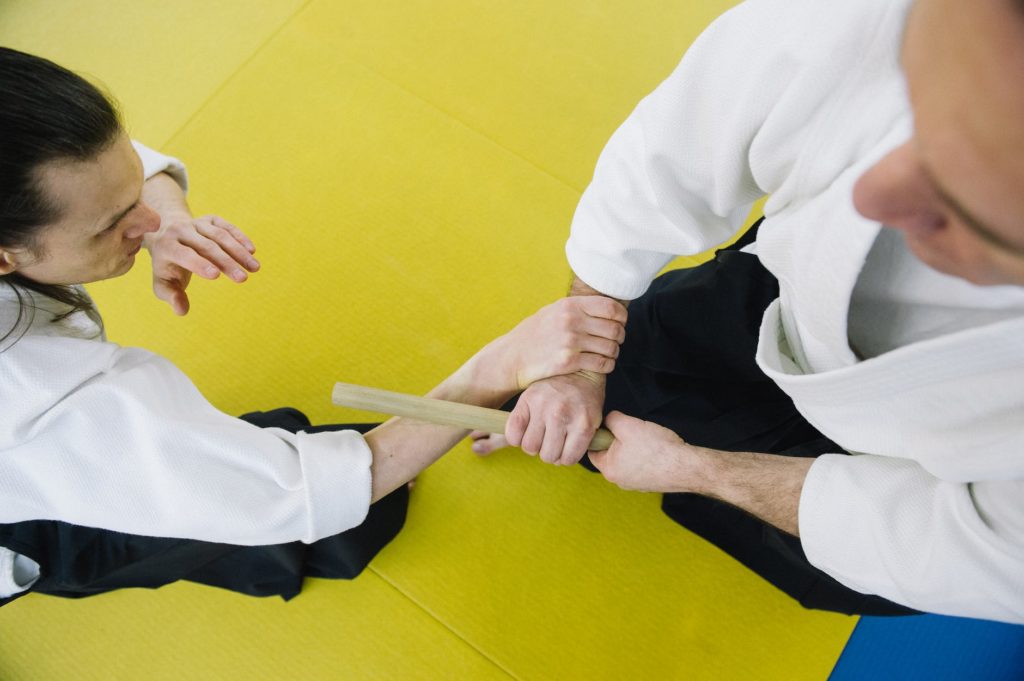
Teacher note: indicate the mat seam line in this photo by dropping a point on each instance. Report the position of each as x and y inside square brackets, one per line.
[394, 83]
[448, 628]
[224, 83]
[480, 133]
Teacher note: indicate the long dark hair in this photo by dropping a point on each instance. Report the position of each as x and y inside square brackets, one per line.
[47, 114]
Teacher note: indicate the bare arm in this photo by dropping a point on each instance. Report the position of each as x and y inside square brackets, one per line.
[765, 485]
[164, 195]
[567, 336]
[403, 447]
[650, 458]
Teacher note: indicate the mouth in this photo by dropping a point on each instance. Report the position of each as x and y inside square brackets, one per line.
[135, 250]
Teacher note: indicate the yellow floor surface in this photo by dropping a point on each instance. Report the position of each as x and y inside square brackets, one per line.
[408, 171]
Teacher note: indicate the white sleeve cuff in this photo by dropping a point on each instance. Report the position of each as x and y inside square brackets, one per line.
[336, 470]
[884, 525]
[154, 162]
[17, 573]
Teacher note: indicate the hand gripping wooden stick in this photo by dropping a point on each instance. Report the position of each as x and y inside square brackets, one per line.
[436, 411]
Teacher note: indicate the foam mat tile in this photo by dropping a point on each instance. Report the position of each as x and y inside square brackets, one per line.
[556, 574]
[188, 48]
[408, 172]
[548, 80]
[395, 241]
[353, 630]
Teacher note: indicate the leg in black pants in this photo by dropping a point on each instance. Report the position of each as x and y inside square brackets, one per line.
[688, 364]
[80, 561]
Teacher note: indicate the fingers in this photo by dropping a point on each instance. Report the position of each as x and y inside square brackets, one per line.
[604, 328]
[576, 443]
[553, 442]
[179, 303]
[208, 246]
[556, 418]
[599, 346]
[533, 438]
[238, 235]
[184, 257]
[485, 443]
[173, 294]
[221, 247]
[617, 421]
[518, 420]
[599, 364]
[601, 306]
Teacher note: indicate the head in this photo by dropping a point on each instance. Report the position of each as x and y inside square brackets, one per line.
[70, 182]
[956, 188]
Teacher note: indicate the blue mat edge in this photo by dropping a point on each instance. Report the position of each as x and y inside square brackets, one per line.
[932, 647]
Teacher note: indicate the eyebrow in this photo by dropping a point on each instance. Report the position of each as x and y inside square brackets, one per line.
[972, 223]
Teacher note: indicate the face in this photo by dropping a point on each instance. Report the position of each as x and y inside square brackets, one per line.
[956, 189]
[102, 219]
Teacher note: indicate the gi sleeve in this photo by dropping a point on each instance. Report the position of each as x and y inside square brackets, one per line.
[886, 526]
[154, 162]
[119, 438]
[733, 122]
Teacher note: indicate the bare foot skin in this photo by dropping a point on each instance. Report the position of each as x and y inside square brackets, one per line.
[485, 443]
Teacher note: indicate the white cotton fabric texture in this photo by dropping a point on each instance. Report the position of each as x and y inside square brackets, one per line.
[106, 436]
[917, 373]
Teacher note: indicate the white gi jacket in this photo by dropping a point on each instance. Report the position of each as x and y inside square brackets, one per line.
[796, 99]
[118, 438]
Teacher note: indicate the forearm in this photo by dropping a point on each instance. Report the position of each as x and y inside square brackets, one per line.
[403, 447]
[765, 485]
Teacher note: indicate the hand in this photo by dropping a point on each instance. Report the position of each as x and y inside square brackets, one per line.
[579, 333]
[557, 417]
[205, 246]
[649, 458]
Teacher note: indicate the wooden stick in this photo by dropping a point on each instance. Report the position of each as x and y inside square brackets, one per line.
[435, 411]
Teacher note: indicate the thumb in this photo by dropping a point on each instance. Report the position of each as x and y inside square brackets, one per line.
[598, 459]
[179, 302]
[172, 293]
[616, 420]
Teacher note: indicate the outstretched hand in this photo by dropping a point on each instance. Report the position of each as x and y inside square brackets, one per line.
[206, 246]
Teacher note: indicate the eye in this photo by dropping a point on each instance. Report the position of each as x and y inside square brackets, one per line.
[116, 222]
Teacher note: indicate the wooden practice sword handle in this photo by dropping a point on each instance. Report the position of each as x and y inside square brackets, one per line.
[435, 411]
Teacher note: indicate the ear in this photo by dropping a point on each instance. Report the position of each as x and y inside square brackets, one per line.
[8, 262]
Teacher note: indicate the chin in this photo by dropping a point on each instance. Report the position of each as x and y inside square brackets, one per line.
[123, 268]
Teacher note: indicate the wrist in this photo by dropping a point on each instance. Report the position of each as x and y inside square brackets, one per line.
[163, 194]
[581, 288]
[480, 381]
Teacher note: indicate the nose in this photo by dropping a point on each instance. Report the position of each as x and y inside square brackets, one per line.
[144, 221]
[897, 192]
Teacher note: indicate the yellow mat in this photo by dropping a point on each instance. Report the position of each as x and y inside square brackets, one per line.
[408, 171]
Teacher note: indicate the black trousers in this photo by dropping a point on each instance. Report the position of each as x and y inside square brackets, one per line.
[688, 364]
[80, 561]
